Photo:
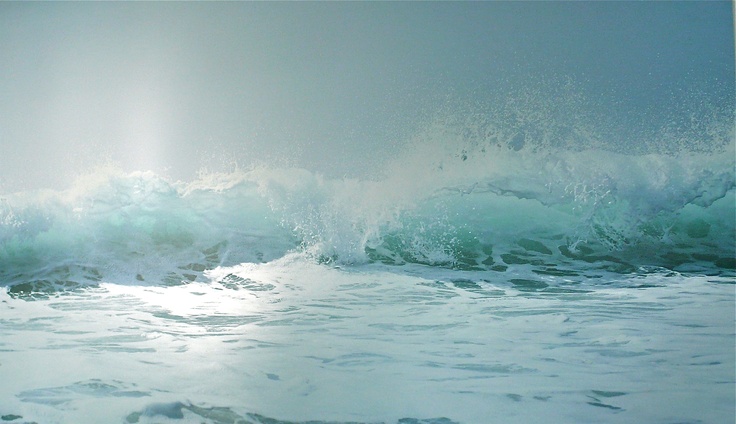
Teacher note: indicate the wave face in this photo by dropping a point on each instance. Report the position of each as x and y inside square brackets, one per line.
[445, 202]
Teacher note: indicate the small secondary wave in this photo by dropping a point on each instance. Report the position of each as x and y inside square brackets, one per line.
[135, 227]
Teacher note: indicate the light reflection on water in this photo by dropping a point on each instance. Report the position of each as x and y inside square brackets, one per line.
[295, 340]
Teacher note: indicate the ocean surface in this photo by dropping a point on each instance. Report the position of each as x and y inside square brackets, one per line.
[501, 212]
[476, 279]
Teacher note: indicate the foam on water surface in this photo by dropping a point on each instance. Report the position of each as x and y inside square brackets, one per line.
[295, 341]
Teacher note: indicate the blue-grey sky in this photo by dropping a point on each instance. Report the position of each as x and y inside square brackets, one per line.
[329, 86]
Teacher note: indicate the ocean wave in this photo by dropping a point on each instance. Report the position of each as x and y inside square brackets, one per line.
[487, 208]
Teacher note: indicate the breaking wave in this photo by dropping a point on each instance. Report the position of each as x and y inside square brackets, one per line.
[454, 204]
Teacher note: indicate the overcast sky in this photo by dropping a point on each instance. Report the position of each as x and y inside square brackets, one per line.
[329, 86]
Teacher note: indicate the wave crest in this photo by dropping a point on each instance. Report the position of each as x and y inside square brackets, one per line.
[489, 209]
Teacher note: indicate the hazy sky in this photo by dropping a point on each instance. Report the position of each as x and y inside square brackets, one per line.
[329, 86]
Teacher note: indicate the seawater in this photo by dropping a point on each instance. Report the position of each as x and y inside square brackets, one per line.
[291, 341]
[468, 282]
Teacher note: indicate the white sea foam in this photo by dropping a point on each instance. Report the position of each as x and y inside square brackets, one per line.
[294, 341]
